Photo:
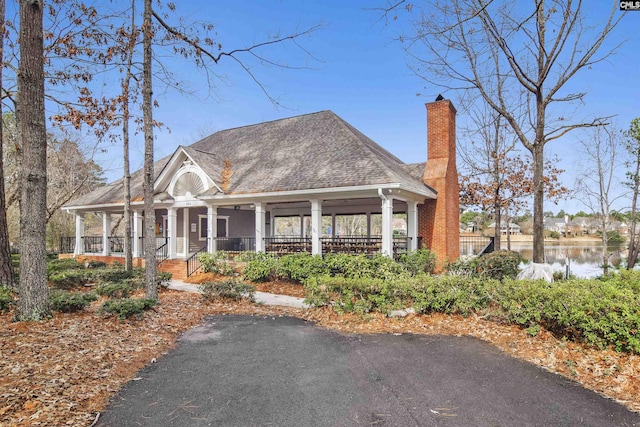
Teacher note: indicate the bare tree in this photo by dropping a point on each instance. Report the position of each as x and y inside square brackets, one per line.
[632, 146]
[6, 269]
[33, 303]
[537, 47]
[598, 181]
[151, 290]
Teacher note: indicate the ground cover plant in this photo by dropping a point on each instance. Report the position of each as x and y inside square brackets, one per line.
[74, 385]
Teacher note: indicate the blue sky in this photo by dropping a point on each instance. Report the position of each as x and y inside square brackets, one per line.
[360, 73]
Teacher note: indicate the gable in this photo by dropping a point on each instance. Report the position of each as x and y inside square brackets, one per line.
[183, 178]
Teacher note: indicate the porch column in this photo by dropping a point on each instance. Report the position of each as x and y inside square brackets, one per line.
[303, 232]
[387, 228]
[212, 228]
[333, 225]
[316, 227]
[137, 228]
[106, 228]
[260, 226]
[185, 231]
[368, 224]
[412, 224]
[172, 232]
[79, 249]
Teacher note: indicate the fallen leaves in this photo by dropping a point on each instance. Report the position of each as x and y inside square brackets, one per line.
[63, 371]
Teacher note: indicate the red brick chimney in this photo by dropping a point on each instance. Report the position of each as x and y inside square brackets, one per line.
[439, 219]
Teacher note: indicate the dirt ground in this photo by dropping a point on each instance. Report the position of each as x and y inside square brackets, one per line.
[63, 371]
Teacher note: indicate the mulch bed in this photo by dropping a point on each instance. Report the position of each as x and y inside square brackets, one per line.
[63, 371]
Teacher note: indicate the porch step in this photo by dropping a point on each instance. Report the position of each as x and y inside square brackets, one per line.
[177, 268]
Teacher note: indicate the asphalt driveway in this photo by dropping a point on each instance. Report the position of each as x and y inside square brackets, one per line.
[255, 371]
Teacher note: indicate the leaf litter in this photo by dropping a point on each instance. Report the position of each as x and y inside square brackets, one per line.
[64, 371]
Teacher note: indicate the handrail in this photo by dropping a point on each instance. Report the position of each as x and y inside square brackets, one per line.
[162, 252]
[193, 262]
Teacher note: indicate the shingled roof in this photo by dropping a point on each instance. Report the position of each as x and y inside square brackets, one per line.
[312, 151]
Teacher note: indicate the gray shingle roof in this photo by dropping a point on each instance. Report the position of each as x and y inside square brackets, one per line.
[312, 151]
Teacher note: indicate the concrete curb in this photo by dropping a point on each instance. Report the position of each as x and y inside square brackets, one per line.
[261, 297]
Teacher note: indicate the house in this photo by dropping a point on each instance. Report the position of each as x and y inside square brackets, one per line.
[513, 228]
[229, 190]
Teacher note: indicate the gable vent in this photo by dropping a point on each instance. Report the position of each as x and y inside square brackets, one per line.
[189, 184]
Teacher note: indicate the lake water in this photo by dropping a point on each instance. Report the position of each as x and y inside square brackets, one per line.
[583, 260]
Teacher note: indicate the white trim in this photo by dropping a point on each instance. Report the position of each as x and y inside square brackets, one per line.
[395, 189]
[316, 227]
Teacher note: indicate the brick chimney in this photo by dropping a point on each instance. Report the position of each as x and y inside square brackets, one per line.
[439, 219]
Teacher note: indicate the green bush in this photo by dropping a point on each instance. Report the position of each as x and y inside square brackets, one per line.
[446, 294]
[494, 265]
[96, 264]
[60, 265]
[115, 290]
[298, 267]
[68, 279]
[127, 307]
[355, 266]
[227, 289]
[419, 261]
[554, 234]
[164, 279]
[70, 302]
[260, 269]
[217, 262]
[614, 238]
[246, 256]
[114, 273]
[6, 298]
[500, 264]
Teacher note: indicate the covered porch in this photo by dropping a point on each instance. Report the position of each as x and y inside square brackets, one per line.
[363, 221]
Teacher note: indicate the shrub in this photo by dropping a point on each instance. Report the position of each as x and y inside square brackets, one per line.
[127, 307]
[260, 269]
[228, 289]
[70, 302]
[114, 290]
[419, 261]
[614, 238]
[498, 265]
[68, 279]
[246, 256]
[217, 262]
[298, 267]
[164, 279]
[60, 265]
[554, 234]
[114, 273]
[6, 298]
[494, 265]
[96, 264]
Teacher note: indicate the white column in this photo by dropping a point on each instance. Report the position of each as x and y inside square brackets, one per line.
[412, 225]
[387, 228]
[79, 249]
[106, 229]
[260, 226]
[185, 231]
[172, 232]
[316, 227]
[333, 225]
[368, 224]
[137, 228]
[212, 228]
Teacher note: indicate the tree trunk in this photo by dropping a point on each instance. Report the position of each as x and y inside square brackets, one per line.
[128, 256]
[633, 232]
[538, 204]
[151, 290]
[498, 225]
[33, 303]
[508, 233]
[6, 268]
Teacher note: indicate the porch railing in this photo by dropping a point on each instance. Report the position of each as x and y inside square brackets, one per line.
[283, 245]
[67, 245]
[162, 251]
[193, 262]
[476, 245]
[92, 244]
[235, 244]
